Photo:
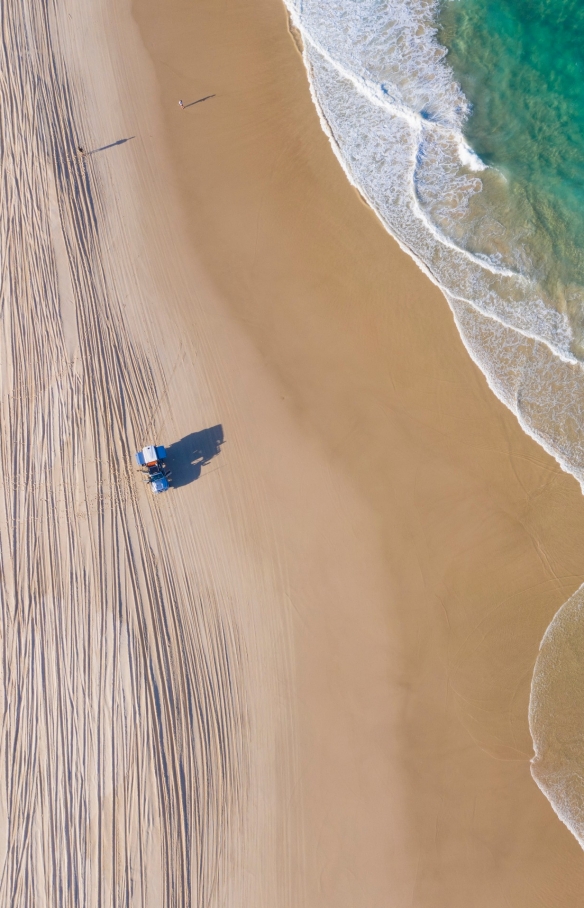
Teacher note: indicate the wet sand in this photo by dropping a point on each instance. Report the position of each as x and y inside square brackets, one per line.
[300, 677]
[410, 698]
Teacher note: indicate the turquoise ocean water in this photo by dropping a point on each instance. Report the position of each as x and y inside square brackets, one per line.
[521, 66]
[462, 124]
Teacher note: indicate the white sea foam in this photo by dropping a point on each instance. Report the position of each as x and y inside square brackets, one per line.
[469, 158]
[402, 170]
[395, 115]
[556, 717]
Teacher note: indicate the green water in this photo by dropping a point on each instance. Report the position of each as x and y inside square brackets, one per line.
[521, 65]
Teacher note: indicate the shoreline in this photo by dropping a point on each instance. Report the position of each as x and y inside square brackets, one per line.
[387, 531]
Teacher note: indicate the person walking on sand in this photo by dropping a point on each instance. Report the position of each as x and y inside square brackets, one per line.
[181, 105]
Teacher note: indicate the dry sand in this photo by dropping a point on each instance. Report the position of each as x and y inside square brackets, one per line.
[412, 704]
[301, 677]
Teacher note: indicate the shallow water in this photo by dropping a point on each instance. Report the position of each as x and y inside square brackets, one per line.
[521, 65]
[462, 124]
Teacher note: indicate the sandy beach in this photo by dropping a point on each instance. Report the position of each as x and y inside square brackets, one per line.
[301, 676]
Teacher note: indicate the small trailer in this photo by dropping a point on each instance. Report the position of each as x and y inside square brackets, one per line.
[151, 462]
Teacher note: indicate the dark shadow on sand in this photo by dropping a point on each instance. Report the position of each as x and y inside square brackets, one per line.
[112, 145]
[200, 101]
[186, 458]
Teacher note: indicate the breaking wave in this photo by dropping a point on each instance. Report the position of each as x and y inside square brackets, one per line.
[397, 119]
[395, 116]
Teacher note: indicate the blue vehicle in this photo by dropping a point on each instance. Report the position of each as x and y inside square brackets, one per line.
[151, 462]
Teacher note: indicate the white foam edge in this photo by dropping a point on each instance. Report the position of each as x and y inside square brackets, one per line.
[541, 440]
[470, 158]
[565, 819]
[564, 355]
[473, 161]
[418, 124]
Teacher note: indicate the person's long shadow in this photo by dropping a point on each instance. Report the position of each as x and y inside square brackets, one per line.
[199, 101]
[111, 145]
[186, 458]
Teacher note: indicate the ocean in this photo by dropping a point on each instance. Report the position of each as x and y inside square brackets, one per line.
[462, 124]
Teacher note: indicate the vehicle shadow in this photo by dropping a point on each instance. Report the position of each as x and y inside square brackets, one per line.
[186, 458]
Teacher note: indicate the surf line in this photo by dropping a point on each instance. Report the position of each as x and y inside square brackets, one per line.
[418, 124]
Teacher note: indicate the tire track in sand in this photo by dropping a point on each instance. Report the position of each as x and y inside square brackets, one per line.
[122, 736]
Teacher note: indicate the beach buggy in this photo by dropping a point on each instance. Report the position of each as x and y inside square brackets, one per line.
[151, 462]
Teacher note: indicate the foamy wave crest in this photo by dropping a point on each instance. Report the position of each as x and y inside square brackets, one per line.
[543, 392]
[400, 143]
[395, 115]
[556, 717]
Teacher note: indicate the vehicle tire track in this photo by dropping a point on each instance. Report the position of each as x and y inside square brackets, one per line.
[122, 734]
